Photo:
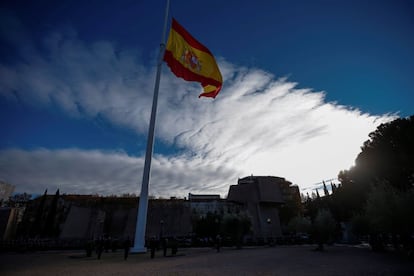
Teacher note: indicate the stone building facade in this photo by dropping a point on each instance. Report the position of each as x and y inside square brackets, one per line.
[82, 217]
[262, 197]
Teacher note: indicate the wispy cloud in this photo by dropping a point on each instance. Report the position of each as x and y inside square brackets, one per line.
[105, 172]
[259, 124]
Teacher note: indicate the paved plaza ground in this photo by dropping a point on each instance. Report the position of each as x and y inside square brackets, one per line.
[280, 260]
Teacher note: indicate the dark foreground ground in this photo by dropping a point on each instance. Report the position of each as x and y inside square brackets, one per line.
[282, 260]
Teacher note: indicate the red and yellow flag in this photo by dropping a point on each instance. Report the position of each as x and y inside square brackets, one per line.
[192, 61]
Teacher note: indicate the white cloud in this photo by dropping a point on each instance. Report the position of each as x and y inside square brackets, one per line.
[257, 125]
[103, 172]
[268, 127]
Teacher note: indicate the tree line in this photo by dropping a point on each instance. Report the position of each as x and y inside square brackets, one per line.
[375, 200]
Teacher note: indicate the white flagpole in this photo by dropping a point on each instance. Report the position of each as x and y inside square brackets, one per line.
[139, 242]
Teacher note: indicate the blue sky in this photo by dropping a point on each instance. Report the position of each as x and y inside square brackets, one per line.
[304, 84]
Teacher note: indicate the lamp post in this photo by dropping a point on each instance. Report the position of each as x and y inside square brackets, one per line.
[270, 238]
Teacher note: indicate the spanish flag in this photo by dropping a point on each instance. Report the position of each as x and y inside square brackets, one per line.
[192, 61]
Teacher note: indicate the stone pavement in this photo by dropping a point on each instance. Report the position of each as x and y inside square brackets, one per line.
[280, 260]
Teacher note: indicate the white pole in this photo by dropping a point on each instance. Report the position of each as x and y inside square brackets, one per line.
[139, 243]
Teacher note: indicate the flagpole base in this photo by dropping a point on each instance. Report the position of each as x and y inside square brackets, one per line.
[138, 250]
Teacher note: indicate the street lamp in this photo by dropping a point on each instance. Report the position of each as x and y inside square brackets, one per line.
[270, 238]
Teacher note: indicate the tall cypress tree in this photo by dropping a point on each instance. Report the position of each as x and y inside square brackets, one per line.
[50, 228]
[37, 224]
[325, 190]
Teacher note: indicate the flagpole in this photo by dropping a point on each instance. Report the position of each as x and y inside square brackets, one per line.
[139, 241]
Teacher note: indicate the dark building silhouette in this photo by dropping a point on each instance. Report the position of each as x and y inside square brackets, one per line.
[86, 217]
[262, 196]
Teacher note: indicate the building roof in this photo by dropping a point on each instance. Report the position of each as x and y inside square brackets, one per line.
[266, 189]
[205, 197]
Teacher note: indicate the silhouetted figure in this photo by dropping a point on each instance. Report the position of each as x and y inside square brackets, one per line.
[174, 246]
[127, 246]
[153, 246]
[164, 246]
[376, 242]
[89, 248]
[320, 247]
[107, 243]
[218, 243]
[114, 245]
[99, 247]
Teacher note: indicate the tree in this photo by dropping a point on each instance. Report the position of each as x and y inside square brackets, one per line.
[51, 228]
[389, 155]
[37, 227]
[236, 226]
[208, 225]
[349, 199]
[360, 225]
[299, 225]
[381, 184]
[324, 227]
[289, 210]
[390, 213]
